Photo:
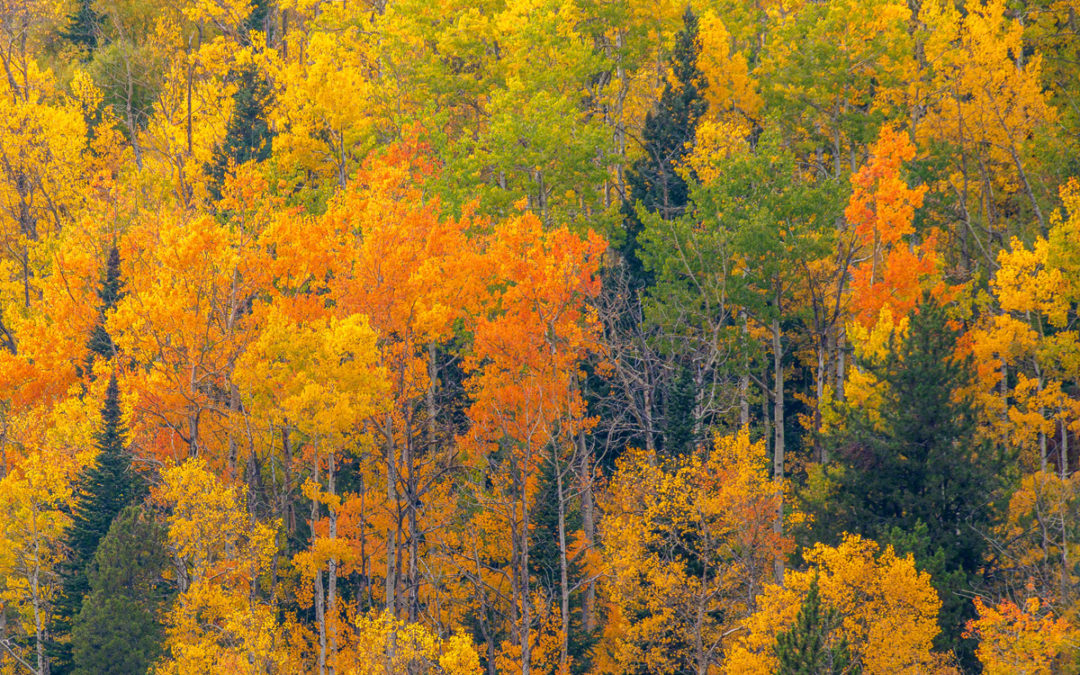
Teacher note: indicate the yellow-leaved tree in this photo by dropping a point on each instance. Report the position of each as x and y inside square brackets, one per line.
[388, 645]
[219, 623]
[1026, 639]
[888, 611]
[689, 545]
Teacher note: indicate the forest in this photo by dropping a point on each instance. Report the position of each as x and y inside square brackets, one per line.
[561, 337]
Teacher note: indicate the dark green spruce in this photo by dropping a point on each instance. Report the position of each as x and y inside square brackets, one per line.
[248, 137]
[103, 490]
[119, 630]
[668, 137]
[84, 27]
[921, 481]
[679, 416]
[101, 343]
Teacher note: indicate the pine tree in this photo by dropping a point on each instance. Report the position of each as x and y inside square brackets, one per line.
[668, 137]
[102, 490]
[247, 137]
[921, 481]
[679, 416]
[118, 631]
[83, 27]
[804, 649]
[101, 342]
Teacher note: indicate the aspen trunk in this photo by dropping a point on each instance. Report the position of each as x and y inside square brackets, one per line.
[40, 635]
[588, 521]
[391, 532]
[320, 600]
[564, 581]
[778, 438]
[331, 564]
[744, 377]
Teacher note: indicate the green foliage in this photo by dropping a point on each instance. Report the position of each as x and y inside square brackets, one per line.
[84, 26]
[668, 136]
[806, 648]
[101, 342]
[921, 481]
[654, 182]
[679, 415]
[102, 491]
[118, 630]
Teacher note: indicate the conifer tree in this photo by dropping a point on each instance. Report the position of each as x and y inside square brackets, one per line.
[670, 129]
[101, 342]
[83, 27]
[679, 416]
[668, 136]
[248, 137]
[545, 563]
[804, 649]
[102, 490]
[921, 480]
[118, 630]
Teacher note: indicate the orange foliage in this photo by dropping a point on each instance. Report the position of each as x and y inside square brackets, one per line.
[1023, 640]
[895, 270]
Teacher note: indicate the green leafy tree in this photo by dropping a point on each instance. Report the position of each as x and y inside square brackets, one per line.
[746, 247]
[118, 630]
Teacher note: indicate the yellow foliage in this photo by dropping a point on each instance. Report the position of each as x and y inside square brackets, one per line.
[863, 391]
[323, 375]
[688, 546]
[388, 645]
[218, 624]
[1040, 537]
[888, 610]
[33, 504]
[1023, 640]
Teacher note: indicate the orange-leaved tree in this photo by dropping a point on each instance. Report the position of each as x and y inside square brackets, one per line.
[533, 330]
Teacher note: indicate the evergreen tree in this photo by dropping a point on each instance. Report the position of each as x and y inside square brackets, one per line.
[670, 130]
[102, 490]
[679, 416]
[544, 559]
[247, 137]
[101, 342]
[118, 630]
[668, 136]
[83, 27]
[921, 481]
[804, 649]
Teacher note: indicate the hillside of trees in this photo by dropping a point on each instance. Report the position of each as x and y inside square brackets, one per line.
[556, 337]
